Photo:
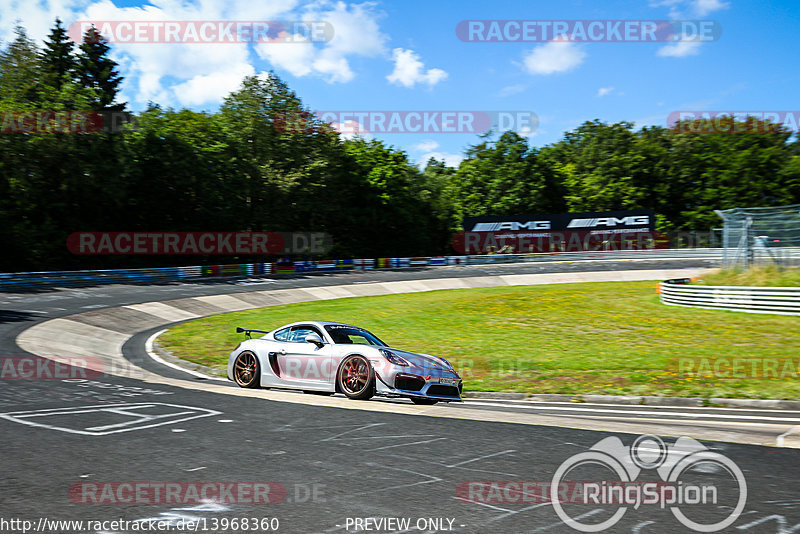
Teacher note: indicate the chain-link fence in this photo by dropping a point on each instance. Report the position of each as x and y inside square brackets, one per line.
[760, 236]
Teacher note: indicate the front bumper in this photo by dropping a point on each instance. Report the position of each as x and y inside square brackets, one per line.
[406, 383]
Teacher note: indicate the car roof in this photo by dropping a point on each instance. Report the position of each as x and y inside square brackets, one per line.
[318, 323]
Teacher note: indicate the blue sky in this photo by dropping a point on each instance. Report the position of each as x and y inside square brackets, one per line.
[405, 55]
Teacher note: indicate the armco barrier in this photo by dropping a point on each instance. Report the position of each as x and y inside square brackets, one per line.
[400, 263]
[364, 264]
[35, 280]
[775, 300]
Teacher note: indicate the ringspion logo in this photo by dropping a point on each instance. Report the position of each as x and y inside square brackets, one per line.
[685, 485]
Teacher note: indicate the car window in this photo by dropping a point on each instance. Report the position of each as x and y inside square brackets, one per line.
[349, 335]
[282, 334]
[359, 339]
[300, 333]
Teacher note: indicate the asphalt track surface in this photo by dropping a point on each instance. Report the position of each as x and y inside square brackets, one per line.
[337, 466]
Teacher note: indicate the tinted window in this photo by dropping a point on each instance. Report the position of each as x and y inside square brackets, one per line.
[350, 335]
[282, 334]
[299, 333]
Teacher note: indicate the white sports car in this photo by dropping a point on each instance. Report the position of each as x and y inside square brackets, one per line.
[326, 358]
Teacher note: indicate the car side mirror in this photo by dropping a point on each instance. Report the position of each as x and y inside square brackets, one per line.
[315, 339]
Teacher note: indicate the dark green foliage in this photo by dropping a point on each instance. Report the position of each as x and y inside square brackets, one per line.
[98, 72]
[263, 163]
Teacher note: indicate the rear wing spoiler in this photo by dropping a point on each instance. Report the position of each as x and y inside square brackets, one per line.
[249, 331]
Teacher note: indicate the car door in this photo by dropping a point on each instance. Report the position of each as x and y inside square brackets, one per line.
[305, 365]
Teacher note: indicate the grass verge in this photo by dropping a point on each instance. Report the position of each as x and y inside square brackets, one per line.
[593, 338]
[766, 276]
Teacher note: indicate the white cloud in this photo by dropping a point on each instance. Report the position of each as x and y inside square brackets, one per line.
[185, 74]
[451, 160]
[528, 131]
[682, 8]
[355, 33]
[603, 91]
[409, 70]
[203, 74]
[553, 57]
[297, 58]
[351, 129]
[427, 145]
[209, 87]
[704, 7]
[680, 49]
[511, 90]
[37, 17]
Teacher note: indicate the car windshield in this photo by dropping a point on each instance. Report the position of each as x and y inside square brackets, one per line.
[350, 335]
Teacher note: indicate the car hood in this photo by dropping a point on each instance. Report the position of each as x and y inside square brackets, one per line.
[423, 361]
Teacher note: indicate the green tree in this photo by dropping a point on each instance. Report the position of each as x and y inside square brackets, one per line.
[97, 72]
[19, 73]
[57, 59]
[504, 177]
[719, 170]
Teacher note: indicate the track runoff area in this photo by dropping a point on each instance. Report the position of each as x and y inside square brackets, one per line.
[173, 451]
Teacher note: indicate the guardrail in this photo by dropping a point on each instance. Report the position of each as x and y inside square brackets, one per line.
[50, 279]
[774, 300]
[34, 280]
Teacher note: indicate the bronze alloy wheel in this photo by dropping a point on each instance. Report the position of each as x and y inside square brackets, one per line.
[246, 371]
[356, 377]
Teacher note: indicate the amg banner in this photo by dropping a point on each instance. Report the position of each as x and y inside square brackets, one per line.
[563, 232]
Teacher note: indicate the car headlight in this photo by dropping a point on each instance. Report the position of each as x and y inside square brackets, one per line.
[441, 361]
[447, 365]
[394, 358]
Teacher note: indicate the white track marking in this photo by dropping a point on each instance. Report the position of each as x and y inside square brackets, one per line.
[148, 347]
[653, 412]
[24, 417]
[462, 499]
[432, 480]
[405, 444]
[384, 437]
[780, 523]
[779, 439]
[352, 430]
[482, 457]
[582, 516]
[514, 512]
[534, 403]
